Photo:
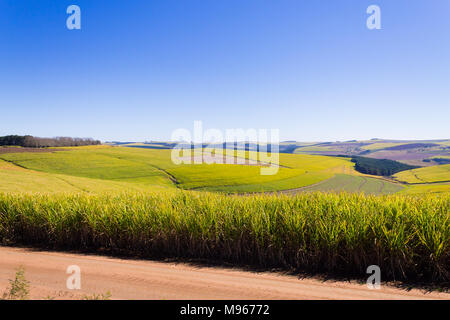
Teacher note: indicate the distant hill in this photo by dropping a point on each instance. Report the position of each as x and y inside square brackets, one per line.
[412, 146]
[410, 152]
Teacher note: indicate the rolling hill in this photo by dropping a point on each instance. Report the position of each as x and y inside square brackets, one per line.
[432, 174]
[96, 169]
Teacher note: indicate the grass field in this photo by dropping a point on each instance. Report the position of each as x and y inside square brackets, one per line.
[431, 174]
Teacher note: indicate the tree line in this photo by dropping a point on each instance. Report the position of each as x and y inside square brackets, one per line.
[36, 142]
[379, 167]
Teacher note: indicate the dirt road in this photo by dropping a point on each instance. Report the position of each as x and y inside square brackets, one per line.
[140, 279]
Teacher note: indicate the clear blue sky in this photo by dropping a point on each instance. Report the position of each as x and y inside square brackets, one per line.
[137, 70]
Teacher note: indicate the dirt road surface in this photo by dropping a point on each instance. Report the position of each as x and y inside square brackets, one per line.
[141, 279]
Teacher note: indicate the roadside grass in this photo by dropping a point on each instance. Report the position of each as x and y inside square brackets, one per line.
[98, 296]
[19, 287]
[408, 237]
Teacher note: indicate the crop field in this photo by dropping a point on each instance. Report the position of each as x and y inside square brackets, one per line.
[14, 179]
[412, 152]
[96, 164]
[408, 237]
[427, 188]
[380, 145]
[97, 169]
[332, 218]
[432, 174]
[352, 183]
[148, 146]
[445, 157]
[151, 167]
[102, 168]
[314, 149]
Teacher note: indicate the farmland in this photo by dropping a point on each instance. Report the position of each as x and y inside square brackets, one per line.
[316, 214]
[353, 183]
[379, 145]
[427, 188]
[412, 152]
[14, 179]
[408, 237]
[151, 167]
[432, 174]
[104, 168]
